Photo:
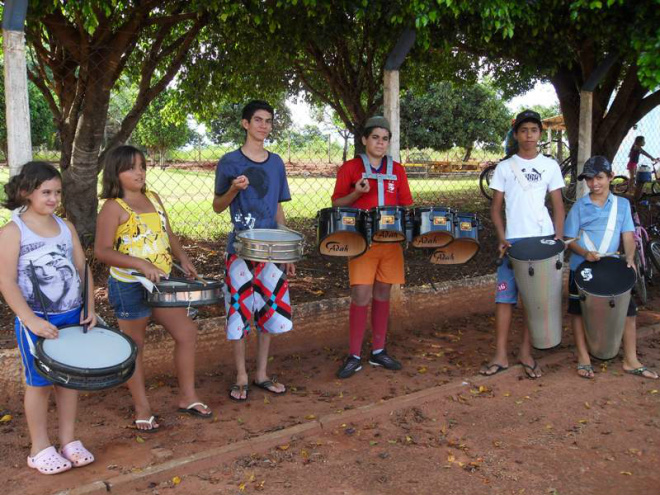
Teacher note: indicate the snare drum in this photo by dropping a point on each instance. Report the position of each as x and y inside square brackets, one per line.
[433, 226]
[389, 223]
[96, 360]
[342, 231]
[263, 245]
[182, 293]
[466, 241]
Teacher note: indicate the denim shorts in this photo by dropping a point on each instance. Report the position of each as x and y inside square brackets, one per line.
[32, 377]
[127, 299]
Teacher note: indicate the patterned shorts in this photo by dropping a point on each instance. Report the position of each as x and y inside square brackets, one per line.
[259, 291]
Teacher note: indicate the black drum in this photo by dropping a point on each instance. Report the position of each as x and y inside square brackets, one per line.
[342, 231]
[466, 241]
[389, 223]
[433, 226]
[99, 359]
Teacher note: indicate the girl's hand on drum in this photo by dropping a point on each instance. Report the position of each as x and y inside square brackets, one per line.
[90, 321]
[241, 183]
[151, 272]
[42, 328]
[362, 186]
[592, 256]
[290, 269]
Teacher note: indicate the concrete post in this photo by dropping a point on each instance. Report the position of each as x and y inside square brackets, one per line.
[19, 140]
[584, 137]
[392, 110]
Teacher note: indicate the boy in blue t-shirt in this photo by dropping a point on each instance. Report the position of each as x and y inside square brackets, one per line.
[588, 219]
[251, 182]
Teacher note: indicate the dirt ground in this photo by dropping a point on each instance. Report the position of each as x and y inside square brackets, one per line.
[558, 435]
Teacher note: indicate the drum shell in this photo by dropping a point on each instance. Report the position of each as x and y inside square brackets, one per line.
[433, 226]
[390, 224]
[604, 322]
[540, 290]
[77, 378]
[342, 226]
[250, 247]
[194, 294]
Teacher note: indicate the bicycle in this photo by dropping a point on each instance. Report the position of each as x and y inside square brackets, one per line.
[644, 260]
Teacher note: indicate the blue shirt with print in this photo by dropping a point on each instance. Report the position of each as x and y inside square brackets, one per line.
[256, 206]
[592, 219]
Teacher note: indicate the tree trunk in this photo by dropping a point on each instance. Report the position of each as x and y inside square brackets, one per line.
[468, 153]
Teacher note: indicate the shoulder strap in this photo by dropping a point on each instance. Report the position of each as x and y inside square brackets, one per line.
[609, 230]
[379, 177]
[520, 177]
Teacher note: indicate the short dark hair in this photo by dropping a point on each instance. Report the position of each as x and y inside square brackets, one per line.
[639, 139]
[119, 160]
[252, 107]
[367, 132]
[29, 179]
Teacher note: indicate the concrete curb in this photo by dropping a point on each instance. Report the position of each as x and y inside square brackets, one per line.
[213, 457]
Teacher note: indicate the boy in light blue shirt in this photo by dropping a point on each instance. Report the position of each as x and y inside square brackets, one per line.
[589, 219]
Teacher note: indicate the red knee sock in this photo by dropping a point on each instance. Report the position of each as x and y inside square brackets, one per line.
[380, 314]
[357, 320]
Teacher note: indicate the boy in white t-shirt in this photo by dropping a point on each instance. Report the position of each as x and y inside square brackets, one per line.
[526, 216]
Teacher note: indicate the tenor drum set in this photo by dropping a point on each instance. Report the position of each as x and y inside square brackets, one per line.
[348, 232]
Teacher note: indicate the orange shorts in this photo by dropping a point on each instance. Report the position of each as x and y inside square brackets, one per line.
[382, 262]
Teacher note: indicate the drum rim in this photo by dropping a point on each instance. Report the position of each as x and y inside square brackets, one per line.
[211, 285]
[348, 209]
[242, 235]
[429, 208]
[64, 368]
[78, 382]
[577, 282]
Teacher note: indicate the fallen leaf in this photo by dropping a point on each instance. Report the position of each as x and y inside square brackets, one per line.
[422, 369]
[310, 416]
[139, 439]
[266, 401]
[283, 447]
[626, 473]
[654, 391]
[6, 418]
[582, 421]
[483, 389]
[587, 405]
[373, 442]
[176, 480]
[391, 441]
[451, 458]
[241, 487]
[507, 394]
[304, 454]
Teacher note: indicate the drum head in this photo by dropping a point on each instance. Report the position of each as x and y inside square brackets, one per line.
[270, 235]
[536, 248]
[607, 277]
[99, 348]
[458, 252]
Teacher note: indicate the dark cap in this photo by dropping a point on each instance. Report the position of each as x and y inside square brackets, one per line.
[527, 116]
[595, 165]
[378, 121]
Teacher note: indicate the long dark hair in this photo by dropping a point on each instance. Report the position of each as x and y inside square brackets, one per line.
[32, 175]
[119, 160]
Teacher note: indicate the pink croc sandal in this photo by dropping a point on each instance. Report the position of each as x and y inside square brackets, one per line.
[48, 461]
[77, 454]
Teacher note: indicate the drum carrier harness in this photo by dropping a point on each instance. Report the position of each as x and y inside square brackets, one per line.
[379, 177]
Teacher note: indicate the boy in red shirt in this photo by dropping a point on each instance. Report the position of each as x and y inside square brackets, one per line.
[372, 274]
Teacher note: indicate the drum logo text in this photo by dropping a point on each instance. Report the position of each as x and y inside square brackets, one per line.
[443, 256]
[334, 246]
[348, 220]
[440, 221]
[388, 234]
[549, 242]
[387, 220]
[466, 225]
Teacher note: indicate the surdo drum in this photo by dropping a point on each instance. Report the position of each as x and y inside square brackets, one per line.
[263, 245]
[342, 231]
[604, 287]
[537, 266]
[96, 360]
[182, 293]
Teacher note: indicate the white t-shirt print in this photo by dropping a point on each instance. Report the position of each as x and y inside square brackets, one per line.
[526, 213]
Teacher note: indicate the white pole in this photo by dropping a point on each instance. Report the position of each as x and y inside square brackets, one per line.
[584, 137]
[392, 110]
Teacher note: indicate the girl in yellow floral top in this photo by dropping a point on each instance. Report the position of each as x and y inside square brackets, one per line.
[133, 234]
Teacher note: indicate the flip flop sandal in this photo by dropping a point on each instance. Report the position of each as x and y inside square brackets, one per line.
[150, 422]
[77, 454]
[265, 385]
[640, 372]
[588, 368]
[530, 371]
[498, 369]
[193, 411]
[240, 389]
[48, 461]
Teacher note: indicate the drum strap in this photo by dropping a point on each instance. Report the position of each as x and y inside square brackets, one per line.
[381, 178]
[609, 230]
[526, 187]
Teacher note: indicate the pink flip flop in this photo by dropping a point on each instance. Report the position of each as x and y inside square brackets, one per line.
[77, 454]
[48, 461]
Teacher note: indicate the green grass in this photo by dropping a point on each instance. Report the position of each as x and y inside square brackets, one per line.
[187, 196]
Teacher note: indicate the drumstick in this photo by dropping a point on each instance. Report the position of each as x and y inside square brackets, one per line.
[500, 258]
[85, 295]
[572, 239]
[197, 277]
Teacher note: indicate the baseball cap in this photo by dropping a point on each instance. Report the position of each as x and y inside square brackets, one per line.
[378, 121]
[594, 165]
[527, 116]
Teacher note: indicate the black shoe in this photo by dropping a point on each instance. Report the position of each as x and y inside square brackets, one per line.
[351, 366]
[384, 360]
